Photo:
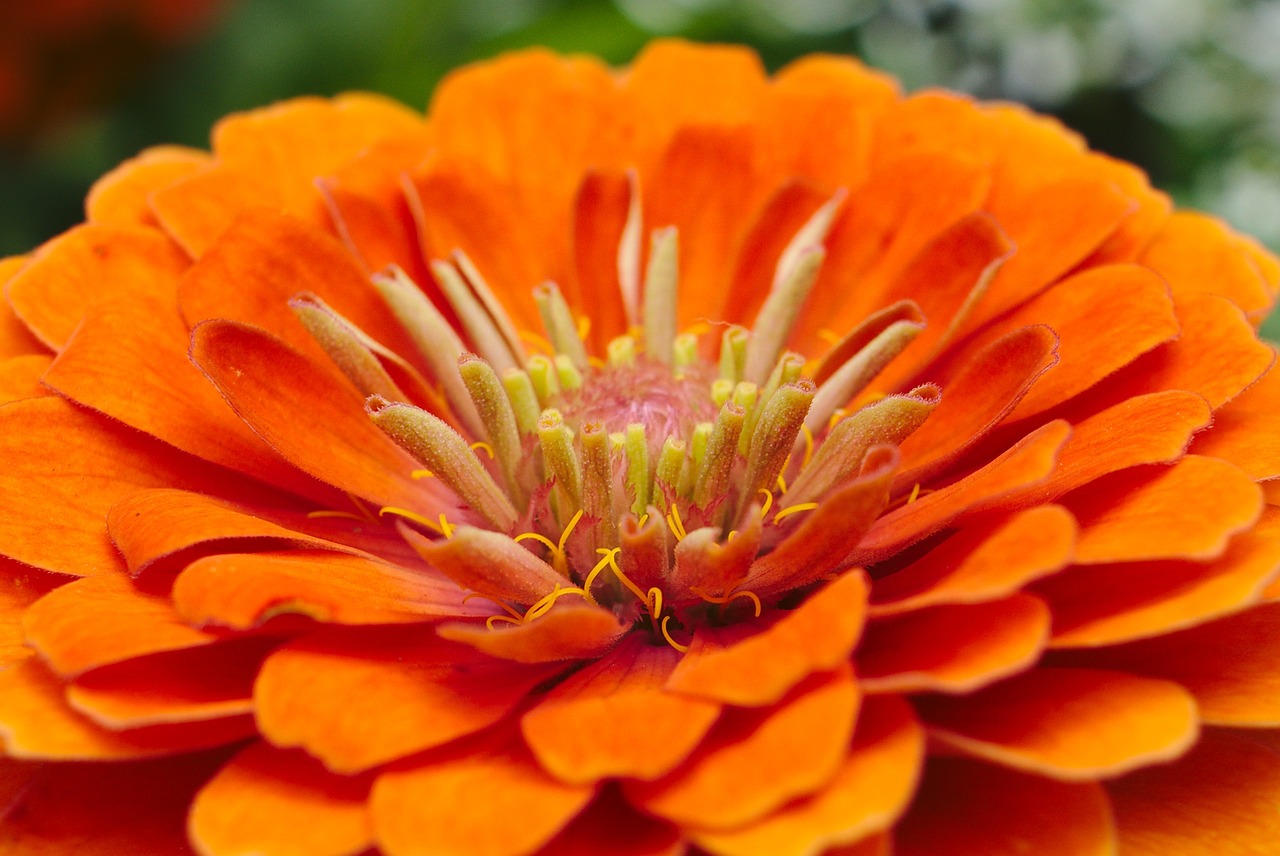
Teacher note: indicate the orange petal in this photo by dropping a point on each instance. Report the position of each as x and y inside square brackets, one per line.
[1197, 254]
[273, 259]
[1228, 665]
[886, 223]
[760, 666]
[868, 793]
[614, 719]
[495, 802]
[355, 701]
[266, 800]
[966, 808]
[105, 619]
[1217, 355]
[1219, 800]
[1074, 308]
[1104, 604]
[122, 196]
[23, 586]
[1135, 232]
[755, 761]
[1068, 724]
[105, 809]
[15, 338]
[243, 590]
[1186, 511]
[983, 562]
[164, 529]
[192, 685]
[1236, 434]
[572, 630]
[611, 826]
[1028, 462]
[35, 722]
[1149, 429]
[600, 213]
[20, 377]
[983, 392]
[955, 648]
[271, 386]
[51, 293]
[824, 537]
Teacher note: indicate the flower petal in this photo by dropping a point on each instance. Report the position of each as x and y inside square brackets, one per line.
[611, 826]
[982, 562]
[494, 802]
[955, 648]
[614, 719]
[967, 808]
[1105, 604]
[760, 666]
[870, 791]
[35, 722]
[242, 590]
[122, 196]
[1225, 792]
[104, 809]
[271, 386]
[20, 377]
[1068, 724]
[1235, 435]
[355, 701]
[1186, 511]
[756, 760]
[1197, 254]
[105, 619]
[268, 800]
[570, 631]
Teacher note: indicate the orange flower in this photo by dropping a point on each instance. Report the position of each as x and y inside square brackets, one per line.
[877, 471]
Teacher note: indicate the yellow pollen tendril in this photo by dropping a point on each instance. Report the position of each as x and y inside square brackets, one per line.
[643, 519]
[915, 494]
[510, 611]
[564, 536]
[675, 523]
[654, 602]
[421, 474]
[683, 649]
[730, 598]
[557, 550]
[446, 528]
[488, 622]
[729, 537]
[768, 501]
[345, 515]
[363, 508]
[836, 415]
[782, 483]
[413, 516]
[609, 553]
[540, 342]
[481, 444]
[543, 606]
[828, 335]
[584, 326]
[612, 561]
[542, 539]
[794, 509]
[808, 445]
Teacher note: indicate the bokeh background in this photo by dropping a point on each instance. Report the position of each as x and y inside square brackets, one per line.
[1189, 89]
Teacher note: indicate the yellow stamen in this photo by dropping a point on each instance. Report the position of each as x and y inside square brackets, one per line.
[345, 515]
[683, 649]
[410, 515]
[542, 343]
[675, 523]
[836, 415]
[794, 509]
[829, 336]
[510, 611]
[488, 622]
[768, 501]
[643, 518]
[483, 446]
[612, 560]
[654, 602]
[595, 572]
[543, 606]
[421, 474]
[782, 483]
[915, 494]
[755, 600]
[808, 445]
[445, 526]
[584, 326]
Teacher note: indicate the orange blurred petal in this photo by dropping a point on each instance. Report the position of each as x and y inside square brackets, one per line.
[760, 665]
[355, 701]
[1068, 724]
[20, 377]
[486, 802]
[104, 619]
[1189, 510]
[1235, 435]
[15, 337]
[267, 800]
[983, 562]
[1197, 254]
[867, 794]
[967, 808]
[756, 760]
[570, 631]
[243, 590]
[1219, 800]
[122, 196]
[955, 648]
[611, 826]
[614, 719]
[600, 213]
[104, 809]
[36, 722]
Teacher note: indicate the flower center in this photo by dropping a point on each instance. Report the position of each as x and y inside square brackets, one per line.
[624, 478]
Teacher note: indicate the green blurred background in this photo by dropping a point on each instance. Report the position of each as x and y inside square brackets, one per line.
[1189, 89]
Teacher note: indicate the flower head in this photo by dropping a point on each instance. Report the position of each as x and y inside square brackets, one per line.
[640, 461]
